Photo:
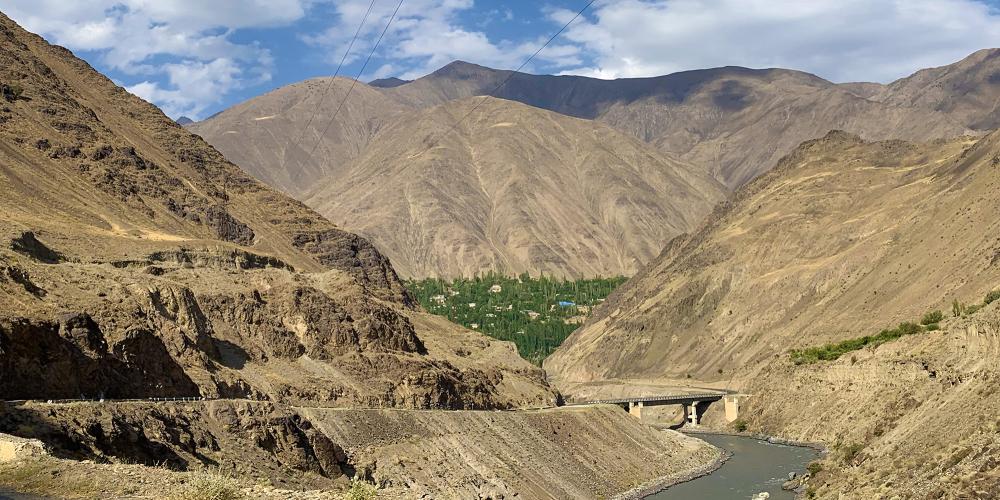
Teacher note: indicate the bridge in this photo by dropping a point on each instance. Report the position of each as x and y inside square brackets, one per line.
[694, 404]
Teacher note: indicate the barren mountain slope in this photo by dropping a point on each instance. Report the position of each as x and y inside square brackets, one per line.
[967, 91]
[136, 262]
[736, 122]
[915, 418]
[842, 239]
[514, 189]
[272, 136]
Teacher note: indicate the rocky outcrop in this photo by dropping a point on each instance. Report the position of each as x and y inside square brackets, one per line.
[71, 358]
[342, 250]
[290, 322]
[248, 439]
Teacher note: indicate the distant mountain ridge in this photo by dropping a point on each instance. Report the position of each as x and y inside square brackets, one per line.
[732, 123]
[388, 83]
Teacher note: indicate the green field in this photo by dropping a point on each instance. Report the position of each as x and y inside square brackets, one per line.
[523, 310]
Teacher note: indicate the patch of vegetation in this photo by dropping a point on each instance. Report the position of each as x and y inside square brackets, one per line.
[740, 425]
[210, 486]
[11, 92]
[850, 452]
[361, 490]
[537, 314]
[932, 317]
[959, 309]
[831, 352]
[814, 467]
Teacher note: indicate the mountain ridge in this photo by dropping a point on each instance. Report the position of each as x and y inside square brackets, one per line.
[514, 189]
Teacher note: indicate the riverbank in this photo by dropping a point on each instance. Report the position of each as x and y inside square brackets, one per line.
[755, 466]
[664, 482]
[815, 445]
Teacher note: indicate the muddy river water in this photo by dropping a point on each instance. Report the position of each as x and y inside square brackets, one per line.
[755, 467]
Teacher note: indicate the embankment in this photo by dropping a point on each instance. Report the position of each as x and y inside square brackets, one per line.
[597, 452]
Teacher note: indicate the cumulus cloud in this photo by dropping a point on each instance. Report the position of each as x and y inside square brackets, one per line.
[428, 34]
[187, 43]
[841, 40]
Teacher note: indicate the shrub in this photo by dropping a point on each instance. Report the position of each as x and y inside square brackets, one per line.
[210, 486]
[991, 297]
[740, 425]
[361, 490]
[957, 308]
[814, 467]
[932, 317]
[933, 327]
[11, 92]
[973, 309]
[850, 451]
[830, 352]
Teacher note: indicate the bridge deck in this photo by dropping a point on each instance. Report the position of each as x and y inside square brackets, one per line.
[661, 399]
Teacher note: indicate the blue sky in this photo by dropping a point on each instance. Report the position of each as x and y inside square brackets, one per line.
[196, 57]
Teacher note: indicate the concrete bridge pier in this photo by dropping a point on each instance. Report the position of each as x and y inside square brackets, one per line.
[635, 409]
[732, 403]
[694, 411]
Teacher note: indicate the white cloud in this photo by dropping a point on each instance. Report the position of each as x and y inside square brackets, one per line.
[428, 34]
[841, 40]
[194, 86]
[186, 42]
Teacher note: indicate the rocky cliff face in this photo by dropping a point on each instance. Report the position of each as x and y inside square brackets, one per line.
[135, 262]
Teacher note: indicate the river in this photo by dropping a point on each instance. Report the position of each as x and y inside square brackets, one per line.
[756, 466]
[10, 495]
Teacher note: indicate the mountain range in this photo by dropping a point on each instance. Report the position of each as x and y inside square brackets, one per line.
[844, 285]
[516, 189]
[727, 124]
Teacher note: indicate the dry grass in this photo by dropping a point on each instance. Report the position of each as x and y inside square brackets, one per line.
[209, 486]
[48, 477]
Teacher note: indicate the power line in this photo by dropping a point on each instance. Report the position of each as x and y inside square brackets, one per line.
[329, 83]
[519, 68]
[355, 82]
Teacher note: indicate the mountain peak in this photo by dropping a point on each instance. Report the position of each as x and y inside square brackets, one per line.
[459, 67]
[388, 83]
